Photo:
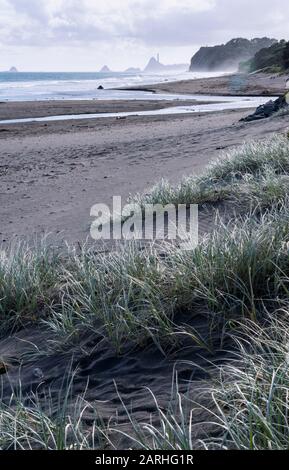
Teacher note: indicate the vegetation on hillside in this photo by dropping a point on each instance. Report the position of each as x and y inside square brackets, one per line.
[272, 59]
[228, 56]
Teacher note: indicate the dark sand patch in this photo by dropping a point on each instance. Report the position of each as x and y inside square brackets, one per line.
[106, 376]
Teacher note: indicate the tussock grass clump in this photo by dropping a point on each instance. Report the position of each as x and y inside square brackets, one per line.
[31, 423]
[124, 294]
[263, 191]
[174, 429]
[244, 171]
[191, 190]
[236, 267]
[28, 278]
[251, 158]
[283, 111]
[251, 398]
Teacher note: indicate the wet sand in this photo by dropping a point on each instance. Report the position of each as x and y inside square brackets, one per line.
[34, 109]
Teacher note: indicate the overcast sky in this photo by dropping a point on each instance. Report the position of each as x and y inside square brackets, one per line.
[80, 35]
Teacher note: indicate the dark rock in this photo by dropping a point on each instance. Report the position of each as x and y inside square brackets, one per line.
[267, 109]
[100, 87]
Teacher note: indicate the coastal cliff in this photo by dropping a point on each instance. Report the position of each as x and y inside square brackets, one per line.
[228, 56]
[271, 59]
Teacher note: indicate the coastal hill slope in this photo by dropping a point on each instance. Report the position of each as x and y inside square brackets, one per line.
[228, 56]
[272, 59]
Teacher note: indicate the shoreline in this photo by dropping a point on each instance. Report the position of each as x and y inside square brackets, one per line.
[237, 84]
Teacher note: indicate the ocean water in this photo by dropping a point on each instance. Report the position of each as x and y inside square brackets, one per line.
[31, 86]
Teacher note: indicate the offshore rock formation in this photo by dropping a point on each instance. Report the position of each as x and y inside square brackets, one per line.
[105, 69]
[155, 66]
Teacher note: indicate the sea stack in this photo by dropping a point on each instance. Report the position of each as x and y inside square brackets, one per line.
[105, 69]
[154, 65]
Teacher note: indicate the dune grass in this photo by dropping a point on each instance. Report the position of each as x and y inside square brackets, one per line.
[238, 275]
[135, 295]
[248, 399]
[243, 174]
[252, 398]
[28, 282]
[31, 423]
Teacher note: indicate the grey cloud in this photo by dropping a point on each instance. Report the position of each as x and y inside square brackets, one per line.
[226, 20]
[68, 24]
[35, 9]
[176, 26]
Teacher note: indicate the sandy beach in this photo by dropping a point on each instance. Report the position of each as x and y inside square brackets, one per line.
[228, 85]
[52, 173]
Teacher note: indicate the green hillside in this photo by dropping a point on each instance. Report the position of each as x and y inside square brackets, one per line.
[272, 59]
